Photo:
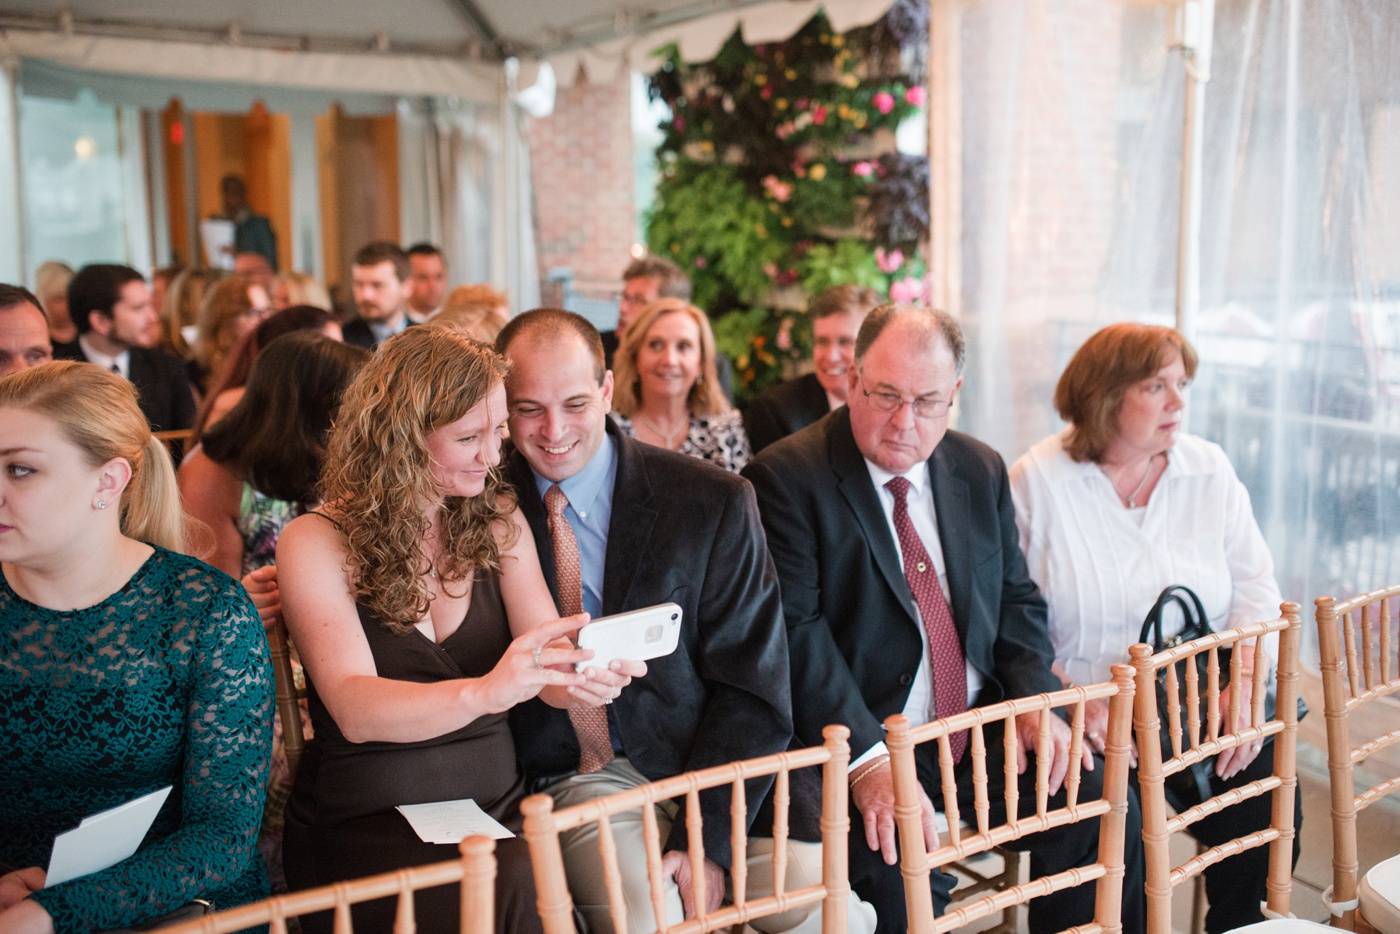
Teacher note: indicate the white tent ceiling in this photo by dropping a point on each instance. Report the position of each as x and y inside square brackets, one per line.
[448, 47]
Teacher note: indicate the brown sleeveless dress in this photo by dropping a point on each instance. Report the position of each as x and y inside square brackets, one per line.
[341, 822]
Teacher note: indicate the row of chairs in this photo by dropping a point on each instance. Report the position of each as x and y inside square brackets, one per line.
[1360, 664]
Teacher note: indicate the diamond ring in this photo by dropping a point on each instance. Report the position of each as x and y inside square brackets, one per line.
[538, 650]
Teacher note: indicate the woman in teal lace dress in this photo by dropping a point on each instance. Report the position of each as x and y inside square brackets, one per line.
[125, 666]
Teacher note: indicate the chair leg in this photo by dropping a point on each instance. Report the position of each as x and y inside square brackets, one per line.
[1198, 898]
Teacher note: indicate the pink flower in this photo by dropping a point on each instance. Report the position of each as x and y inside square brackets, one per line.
[679, 124]
[915, 96]
[777, 190]
[770, 270]
[766, 92]
[863, 169]
[784, 339]
[784, 130]
[700, 262]
[888, 262]
[884, 102]
[906, 290]
[819, 115]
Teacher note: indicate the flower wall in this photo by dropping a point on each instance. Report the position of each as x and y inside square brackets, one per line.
[779, 177]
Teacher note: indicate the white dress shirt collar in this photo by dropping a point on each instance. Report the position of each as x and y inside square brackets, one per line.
[121, 362]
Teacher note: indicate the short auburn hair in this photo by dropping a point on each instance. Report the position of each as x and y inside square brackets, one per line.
[1090, 391]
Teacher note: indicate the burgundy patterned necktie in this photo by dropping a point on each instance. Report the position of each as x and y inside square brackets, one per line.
[945, 654]
[590, 723]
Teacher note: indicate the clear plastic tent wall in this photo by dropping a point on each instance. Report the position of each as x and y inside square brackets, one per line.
[1070, 156]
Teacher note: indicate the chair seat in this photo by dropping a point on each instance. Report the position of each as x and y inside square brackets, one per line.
[1285, 926]
[1379, 893]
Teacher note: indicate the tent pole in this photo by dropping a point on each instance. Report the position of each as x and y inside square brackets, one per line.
[945, 156]
[11, 172]
[1195, 26]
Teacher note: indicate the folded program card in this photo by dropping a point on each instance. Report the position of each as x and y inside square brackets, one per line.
[451, 821]
[104, 839]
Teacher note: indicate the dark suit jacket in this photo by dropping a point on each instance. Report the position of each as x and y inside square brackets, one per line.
[162, 388]
[253, 234]
[357, 332]
[687, 532]
[852, 629]
[784, 409]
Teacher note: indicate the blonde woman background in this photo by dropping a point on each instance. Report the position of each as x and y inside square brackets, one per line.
[667, 388]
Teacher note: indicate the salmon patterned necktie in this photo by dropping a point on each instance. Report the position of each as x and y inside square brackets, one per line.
[945, 653]
[590, 723]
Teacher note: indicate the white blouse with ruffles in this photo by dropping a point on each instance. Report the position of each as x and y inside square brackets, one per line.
[1101, 569]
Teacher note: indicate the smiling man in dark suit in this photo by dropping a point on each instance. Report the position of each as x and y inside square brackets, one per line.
[631, 526]
[794, 404]
[118, 329]
[905, 590]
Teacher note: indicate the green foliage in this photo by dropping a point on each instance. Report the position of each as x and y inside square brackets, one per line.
[767, 182]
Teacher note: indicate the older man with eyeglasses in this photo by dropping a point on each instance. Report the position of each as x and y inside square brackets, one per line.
[905, 591]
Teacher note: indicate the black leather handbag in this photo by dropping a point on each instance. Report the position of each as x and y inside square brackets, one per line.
[1197, 624]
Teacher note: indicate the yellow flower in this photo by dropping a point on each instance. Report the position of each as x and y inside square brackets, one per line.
[849, 81]
[781, 103]
[760, 79]
[760, 230]
[790, 74]
[817, 172]
[837, 41]
[787, 221]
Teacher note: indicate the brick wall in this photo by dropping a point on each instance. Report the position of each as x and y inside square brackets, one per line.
[581, 166]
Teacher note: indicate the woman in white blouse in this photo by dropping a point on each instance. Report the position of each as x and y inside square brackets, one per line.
[1121, 505]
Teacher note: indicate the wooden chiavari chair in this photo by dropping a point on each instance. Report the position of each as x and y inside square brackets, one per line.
[476, 871]
[1197, 738]
[543, 825]
[916, 860]
[1350, 683]
[288, 694]
[177, 443]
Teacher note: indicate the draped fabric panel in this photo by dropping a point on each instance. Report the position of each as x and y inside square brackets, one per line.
[1071, 170]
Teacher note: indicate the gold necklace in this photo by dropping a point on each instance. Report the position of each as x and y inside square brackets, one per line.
[670, 439]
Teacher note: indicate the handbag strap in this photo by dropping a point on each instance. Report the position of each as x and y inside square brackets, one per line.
[1197, 623]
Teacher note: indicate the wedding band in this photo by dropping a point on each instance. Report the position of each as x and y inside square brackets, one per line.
[538, 650]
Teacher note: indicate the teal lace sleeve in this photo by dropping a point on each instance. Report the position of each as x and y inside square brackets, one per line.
[166, 682]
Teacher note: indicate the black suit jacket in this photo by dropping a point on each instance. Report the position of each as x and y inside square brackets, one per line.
[162, 389]
[784, 409]
[356, 331]
[852, 629]
[681, 531]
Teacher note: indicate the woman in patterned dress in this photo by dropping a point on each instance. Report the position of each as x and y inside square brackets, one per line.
[668, 393]
[255, 471]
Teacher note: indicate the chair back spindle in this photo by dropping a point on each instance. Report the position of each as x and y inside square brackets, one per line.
[917, 861]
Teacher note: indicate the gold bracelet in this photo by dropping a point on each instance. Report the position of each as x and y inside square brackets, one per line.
[881, 760]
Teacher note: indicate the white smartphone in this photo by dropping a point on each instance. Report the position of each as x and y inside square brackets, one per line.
[633, 636]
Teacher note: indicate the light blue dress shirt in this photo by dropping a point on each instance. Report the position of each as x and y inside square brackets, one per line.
[590, 495]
